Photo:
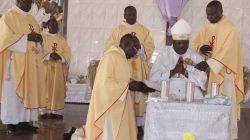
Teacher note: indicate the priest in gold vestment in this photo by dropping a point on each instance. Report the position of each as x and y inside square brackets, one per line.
[56, 60]
[22, 82]
[219, 42]
[111, 113]
[140, 65]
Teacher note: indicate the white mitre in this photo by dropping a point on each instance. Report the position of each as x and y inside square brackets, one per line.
[181, 30]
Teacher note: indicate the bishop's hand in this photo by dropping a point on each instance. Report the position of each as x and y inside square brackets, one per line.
[179, 68]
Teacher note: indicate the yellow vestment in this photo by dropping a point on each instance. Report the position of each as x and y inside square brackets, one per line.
[139, 67]
[110, 97]
[28, 67]
[225, 42]
[56, 71]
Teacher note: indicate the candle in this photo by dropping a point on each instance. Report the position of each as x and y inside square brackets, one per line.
[214, 89]
[164, 90]
[190, 92]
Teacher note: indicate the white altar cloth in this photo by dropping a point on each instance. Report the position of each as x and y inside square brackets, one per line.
[78, 93]
[171, 120]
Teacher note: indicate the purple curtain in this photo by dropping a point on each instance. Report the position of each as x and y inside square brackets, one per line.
[170, 10]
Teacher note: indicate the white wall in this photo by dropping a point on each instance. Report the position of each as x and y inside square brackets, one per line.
[90, 22]
[5, 5]
[97, 18]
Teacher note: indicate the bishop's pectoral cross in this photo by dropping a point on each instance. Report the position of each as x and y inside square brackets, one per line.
[54, 47]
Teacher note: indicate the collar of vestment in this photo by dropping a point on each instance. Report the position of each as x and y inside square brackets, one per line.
[117, 49]
[48, 33]
[224, 18]
[126, 24]
[20, 11]
[121, 51]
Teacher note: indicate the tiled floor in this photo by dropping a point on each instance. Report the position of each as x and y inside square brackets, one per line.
[75, 115]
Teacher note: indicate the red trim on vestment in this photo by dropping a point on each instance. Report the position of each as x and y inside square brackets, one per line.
[222, 78]
[121, 117]
[21, 101]
[224, 65]
[229, 73]
[55, 109]
[65, 82]
[106, 111]
[146, 62]
[20, 82]
[237, 88]
[12, 44]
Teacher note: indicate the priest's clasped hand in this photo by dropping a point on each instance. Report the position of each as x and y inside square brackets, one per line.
[54, 57]
[206, 50]
[35, 37]
[140, 86]
[44, 25]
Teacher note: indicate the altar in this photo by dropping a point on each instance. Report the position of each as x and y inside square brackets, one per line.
[172, 120]
[78, 93]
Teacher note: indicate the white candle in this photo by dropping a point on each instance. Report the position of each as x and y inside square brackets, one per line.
[190, 92]
[214, 89]
[164, 88]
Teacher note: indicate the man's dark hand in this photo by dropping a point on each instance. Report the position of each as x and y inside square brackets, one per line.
[145, 88]
[54, 56]
[179, 68]
[44, 24]
[140, 86]
[202, 66]
[134, 86]
[35, 37]
[206, 50]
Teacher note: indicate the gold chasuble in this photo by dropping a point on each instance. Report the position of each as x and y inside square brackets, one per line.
[28, 67]
[111, 107]
[138, 66]
[225, 42]
[56, 71]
